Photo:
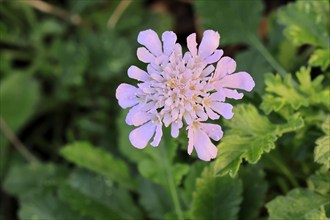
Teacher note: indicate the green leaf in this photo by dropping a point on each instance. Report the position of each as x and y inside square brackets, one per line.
[319, 182]
[216, 197]
[190, 180]
[297, 204]
[24, 178]
[19, 95]
[286, 93]
[244, 17]
[320, 58]
[306, 22]
[322, 150]
[250, 135]
[40, 205]
[103, 202]
[98, 160]
[254, 192]
[154, 199]
[35, 185]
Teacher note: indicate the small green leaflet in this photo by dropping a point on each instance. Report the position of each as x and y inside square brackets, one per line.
[285, 92]
[298, 204]
[250, 135]
[321, 58]
[322, 150]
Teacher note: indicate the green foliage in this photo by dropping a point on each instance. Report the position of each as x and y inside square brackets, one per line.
[245, 17]
[306, 22]
[98, 160]
[103, 202]
[298, 204]
[58, 82]
[35, 186]
[320, 58]
[154, 199]
[18, 90]
[322, 150]
[254, 192]
[282, 93]
[216, 197]
[319, 182]
[250, 135]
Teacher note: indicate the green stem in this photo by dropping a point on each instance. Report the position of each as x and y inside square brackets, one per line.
[171, 183]
[283, 168]
[270, 59]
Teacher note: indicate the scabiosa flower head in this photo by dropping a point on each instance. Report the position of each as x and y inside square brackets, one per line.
[180, 90]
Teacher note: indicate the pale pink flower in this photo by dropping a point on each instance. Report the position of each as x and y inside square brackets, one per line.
[181, 90]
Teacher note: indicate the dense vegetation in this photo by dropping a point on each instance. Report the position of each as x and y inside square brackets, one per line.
[65, 152]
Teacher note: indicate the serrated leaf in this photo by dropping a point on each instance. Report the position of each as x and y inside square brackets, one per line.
[322, 150]
[250, 135]
[320, 58]
[306, 22]
[319, 182]
[297, 204]
[216, 197]
[286, 92]
[254, 192]
[98, 160]
[244, 17]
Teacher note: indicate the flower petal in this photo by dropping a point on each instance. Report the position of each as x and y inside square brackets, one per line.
[204, 147]
[224, 109]
[209, 44]
[136, 73]
[126, 95]
[150, 40]
[226, 65]
[218, 96]
[192, 44]
[208, 70]
[212, 130]
[169, 39]
[175, 128]
[240, 80]
[144, 55]
[141, 117]
[140, 136]
[214, 57]
[212, 115]
[190, 141]
[135, 109]
[232, 94]
[158, 136]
